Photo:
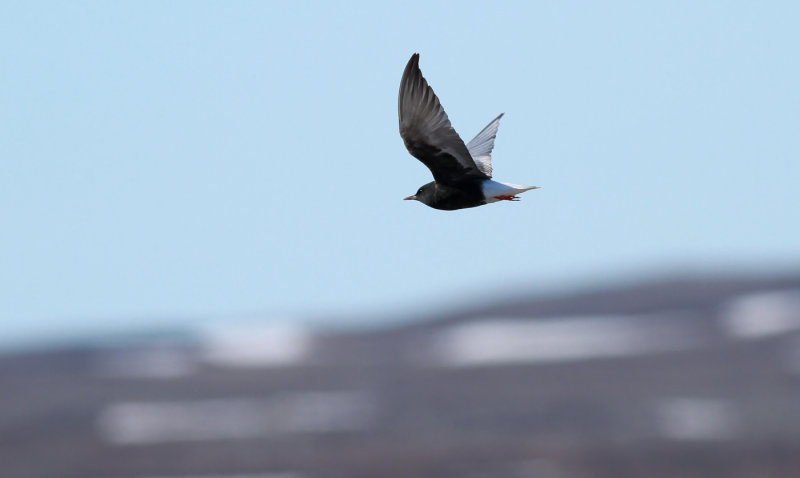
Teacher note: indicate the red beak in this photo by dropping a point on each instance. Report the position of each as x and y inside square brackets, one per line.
[409, 198]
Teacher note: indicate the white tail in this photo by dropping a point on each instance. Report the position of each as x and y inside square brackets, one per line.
[495, 191]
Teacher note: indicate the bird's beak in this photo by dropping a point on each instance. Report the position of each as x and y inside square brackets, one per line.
[409, 198]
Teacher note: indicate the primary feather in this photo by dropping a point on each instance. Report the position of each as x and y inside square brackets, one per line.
[427, 132]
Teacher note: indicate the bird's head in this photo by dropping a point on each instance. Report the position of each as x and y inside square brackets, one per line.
[425, 194]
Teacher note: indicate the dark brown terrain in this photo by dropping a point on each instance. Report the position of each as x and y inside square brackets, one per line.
[681, 378]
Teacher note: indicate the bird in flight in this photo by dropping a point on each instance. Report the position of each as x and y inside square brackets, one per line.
[462, 174]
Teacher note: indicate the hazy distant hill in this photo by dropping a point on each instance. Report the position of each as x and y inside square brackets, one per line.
[689, 378]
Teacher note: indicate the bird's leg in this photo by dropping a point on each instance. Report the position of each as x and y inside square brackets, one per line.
[507, 198]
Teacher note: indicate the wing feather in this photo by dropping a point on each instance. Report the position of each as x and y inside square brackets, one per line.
[480, 148]
[427, 132]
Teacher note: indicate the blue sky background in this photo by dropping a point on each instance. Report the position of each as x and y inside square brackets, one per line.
[164, 163]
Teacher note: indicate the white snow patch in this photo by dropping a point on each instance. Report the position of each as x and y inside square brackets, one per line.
[762, 314]
[132, 423]
[497, 341]
[697, 419]
[255, 345]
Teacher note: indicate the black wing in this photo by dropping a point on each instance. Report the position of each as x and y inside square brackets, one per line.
[426, 130]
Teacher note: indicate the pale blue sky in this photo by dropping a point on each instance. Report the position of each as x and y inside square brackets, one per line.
[171, 162]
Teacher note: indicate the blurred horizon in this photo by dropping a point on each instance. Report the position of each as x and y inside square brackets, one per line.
[688, 378]
[385, 318]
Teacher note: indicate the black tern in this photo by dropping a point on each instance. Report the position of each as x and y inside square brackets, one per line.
[462, 174]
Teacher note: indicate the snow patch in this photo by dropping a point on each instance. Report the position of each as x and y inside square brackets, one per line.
[763, 314]
[135, 423]
[254, 345]
[697, 419]
[497, 341]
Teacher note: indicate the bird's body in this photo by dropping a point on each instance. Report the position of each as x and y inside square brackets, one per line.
[469, 193]
[462, 173]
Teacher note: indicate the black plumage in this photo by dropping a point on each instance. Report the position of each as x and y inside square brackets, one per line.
[459, 181]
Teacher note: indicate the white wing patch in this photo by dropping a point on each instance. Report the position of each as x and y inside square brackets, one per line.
[480, 148]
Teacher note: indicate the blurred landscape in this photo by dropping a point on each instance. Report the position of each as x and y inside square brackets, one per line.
[207, 269]
[691, 377]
